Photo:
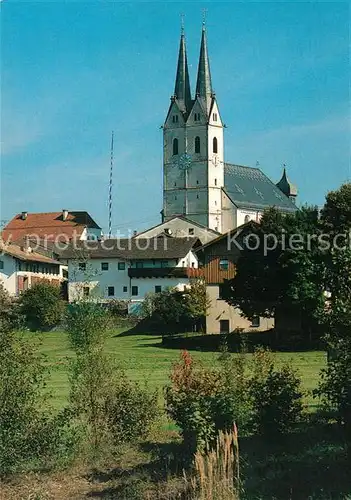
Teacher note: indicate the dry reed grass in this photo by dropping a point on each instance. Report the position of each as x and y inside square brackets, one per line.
[217, 470]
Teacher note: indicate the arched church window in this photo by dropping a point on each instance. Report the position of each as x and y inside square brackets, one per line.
[215, 145]
[175, 146]
[197, 144]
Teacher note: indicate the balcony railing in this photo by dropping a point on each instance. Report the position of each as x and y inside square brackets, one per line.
[165, 272]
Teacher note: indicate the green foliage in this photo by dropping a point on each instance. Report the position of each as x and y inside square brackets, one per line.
[180, 310]
[131, 410]
[276, 397]
[88, 325]
[335, 385]
[197, 298]
[336, 213]
[110, 408]
[42, 306]
[10, 316]
[256, 396]
[118, 308]
[190, 401]
[287, 274]
[28, 434]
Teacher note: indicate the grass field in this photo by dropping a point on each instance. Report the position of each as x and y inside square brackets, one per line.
[144, 359]
[310, 463]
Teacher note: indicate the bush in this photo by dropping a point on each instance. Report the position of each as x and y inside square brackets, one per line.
[10, 317]
[276, 397]
[255, 395]
[88, 325]
[110, 408]
[131, 410]
[42, 306]
[203, 401]
[28, 435]
[335, 385]
[180, 310]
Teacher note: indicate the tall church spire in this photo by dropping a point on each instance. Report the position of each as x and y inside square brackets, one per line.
[204, 84]
[182, 83]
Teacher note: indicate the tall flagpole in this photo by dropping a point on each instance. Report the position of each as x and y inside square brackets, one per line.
[110, 191]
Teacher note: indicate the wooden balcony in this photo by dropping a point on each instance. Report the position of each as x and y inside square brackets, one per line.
[165, 272]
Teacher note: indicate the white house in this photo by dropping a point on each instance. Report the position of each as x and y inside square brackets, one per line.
[21, 268]
[127, 269]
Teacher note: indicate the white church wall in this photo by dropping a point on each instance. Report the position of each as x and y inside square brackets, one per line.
[246, 215]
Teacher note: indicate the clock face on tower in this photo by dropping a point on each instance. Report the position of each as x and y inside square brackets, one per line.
[183, 162]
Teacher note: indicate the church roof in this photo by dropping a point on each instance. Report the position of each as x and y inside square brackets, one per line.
[249, 187]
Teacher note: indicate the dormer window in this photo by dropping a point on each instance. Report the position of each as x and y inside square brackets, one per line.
[175, 118]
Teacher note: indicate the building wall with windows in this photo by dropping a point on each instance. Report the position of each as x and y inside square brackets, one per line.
[17, 275]
[218, 261]
[95, 277]
[224, 318]
[109, 279]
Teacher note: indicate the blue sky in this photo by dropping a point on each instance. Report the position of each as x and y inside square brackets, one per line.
[74, 71]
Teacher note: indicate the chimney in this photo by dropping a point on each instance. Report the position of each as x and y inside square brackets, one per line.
[64, 214]
[24, 215]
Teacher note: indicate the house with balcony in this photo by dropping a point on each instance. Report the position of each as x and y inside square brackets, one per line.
[21, 268]
[218, 260]
[128, 269]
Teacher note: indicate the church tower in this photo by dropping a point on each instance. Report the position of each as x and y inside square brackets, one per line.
[193, 160]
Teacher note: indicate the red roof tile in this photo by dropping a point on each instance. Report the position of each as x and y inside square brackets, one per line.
[48, 225]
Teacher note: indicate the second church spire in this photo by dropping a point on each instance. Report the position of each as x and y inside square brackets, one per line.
[204, 83]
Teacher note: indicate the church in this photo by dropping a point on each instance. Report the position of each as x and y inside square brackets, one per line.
[199, 185]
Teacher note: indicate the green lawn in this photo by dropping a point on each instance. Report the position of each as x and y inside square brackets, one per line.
[144, 360]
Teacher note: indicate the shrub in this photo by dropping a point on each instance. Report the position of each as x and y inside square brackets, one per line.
[42, 305]
[131, 410]
[276, 396]
[203, 401]
[111, 408]
[28, 434]
[180, 310]
[256, 396]
[335, 385]
[10, 317]
[88, 325]
[118, 308]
